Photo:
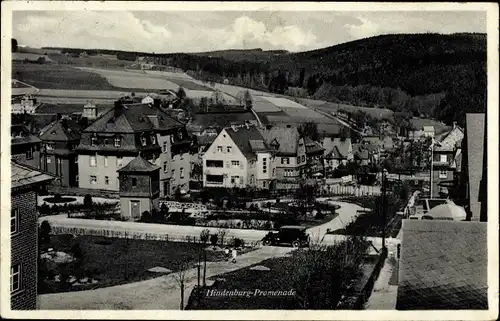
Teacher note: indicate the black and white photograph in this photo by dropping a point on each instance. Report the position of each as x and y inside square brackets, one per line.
[188, 159]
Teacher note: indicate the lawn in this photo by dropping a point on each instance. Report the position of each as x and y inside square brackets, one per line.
[187, 84]
[114, 261]
[67, 109]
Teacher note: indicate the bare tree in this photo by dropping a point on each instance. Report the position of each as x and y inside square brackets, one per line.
[180, 278]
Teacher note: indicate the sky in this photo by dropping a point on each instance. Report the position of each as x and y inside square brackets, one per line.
[177, 31]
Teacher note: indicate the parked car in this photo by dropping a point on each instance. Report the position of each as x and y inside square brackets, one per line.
[295, 236]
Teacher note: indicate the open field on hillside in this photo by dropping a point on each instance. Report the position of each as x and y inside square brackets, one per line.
[89, 94]
[67, 109]
[329, 107]
[284, 103]
[105, 61]
[261, 105]
[59, 77]
[29, 56]
[188, 84]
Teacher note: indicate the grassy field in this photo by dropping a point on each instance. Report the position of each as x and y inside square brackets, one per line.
[66, 109]
[187, 84]
[59, 77]
[115, 261]
[91, 61]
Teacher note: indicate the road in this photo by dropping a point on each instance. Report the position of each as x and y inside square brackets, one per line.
[163, 292]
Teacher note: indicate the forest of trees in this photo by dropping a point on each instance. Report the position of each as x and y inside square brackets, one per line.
[441, 76]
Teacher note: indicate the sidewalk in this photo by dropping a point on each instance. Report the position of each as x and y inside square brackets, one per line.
[385, 293]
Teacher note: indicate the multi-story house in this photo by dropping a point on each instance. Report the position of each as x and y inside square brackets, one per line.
[239, 157]
[116, 138]
[25, 147]
[25, 182]
[58, 155]
[337, 151]
[446, 161]
[314, 157]
[290, 154]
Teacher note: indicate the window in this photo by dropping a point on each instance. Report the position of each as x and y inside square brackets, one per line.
[14, 221]
[93, 179]
[303, 158]
[264, 184]
[29, 153]
[93, 140]
[153, 139]
[119, 161]
[106, 141]
[106, 180]
[49, 160]
[165, 146]
[234, 179]
[264, 165]
[285, 160]
[219, 149]
[15, 278]
[173, 173]
[214, 163]
[443, 158]
[235, 164]
[143, 141]
[118, 141]
[298, 159]
[49, 146]
[165, 167]
[274, 171]
[252, 179]
[241, 180]
[105, 161]
[443, 173]
[134, 182]
[182, 172]
[229, 149]
[215, 179]
[93, 161]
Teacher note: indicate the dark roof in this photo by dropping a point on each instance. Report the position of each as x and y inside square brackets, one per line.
[244, 138]
[475, 131]
[64, 130]
[312, 146]
[25, 136]
[338, 148]
[139, 164]
[133, 118]
[287, 138]
[443, 265]
[25, 175]
[204, 140]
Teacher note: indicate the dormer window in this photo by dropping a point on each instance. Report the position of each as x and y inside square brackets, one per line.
[143, 141]
[153, 139]
[93, 140]
[118, 141]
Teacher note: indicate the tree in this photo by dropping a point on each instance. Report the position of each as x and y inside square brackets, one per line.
[204, 104]
[309, 129]
[222, 233]
[205, 235]
[146, 217]
[87, 201]
[213, 239]
[180, 278]
[14, 45]
[45, 230]
[248, 100]
[181, 93]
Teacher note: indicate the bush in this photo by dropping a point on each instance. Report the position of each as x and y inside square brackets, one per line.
[213, 239]
[87, 201]
[146, 217]
[76, 251]
[237, 242]
[164, 208]
[157, 216]
[204, 235]
[319, 215]
[57, 196]
[44, 209]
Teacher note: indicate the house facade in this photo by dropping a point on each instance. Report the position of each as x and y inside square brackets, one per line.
[446, 162]
[58, 155]
[116, 138]
[239, 157]
[25, 147]
[337, 151]
[25, 182]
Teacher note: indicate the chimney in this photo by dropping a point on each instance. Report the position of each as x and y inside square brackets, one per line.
[234, 127]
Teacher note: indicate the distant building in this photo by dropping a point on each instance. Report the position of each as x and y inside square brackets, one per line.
[337, 151]
[314, 158]
[58, 155]
[90, 111]
[446, 162]
[443, 266]
[116, 137]
[147, 100]
[24, 146]
[25, 182]
[27, 104]
[139, 188]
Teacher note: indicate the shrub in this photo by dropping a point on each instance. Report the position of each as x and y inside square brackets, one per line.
[213, 239]
[57, 196]
[319, 215]
[76, 251]
[87, 201]
[204, 235]
[164, 208]
[239, 242]
[146, 217]
[44, 209]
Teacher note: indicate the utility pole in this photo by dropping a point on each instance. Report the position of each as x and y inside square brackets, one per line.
[204, 267]
[198, 270]
[384, 206]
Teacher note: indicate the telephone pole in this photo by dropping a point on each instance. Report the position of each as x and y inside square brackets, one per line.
[384, 206]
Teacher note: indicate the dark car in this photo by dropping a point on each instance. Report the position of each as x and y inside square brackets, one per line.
[295, 236]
